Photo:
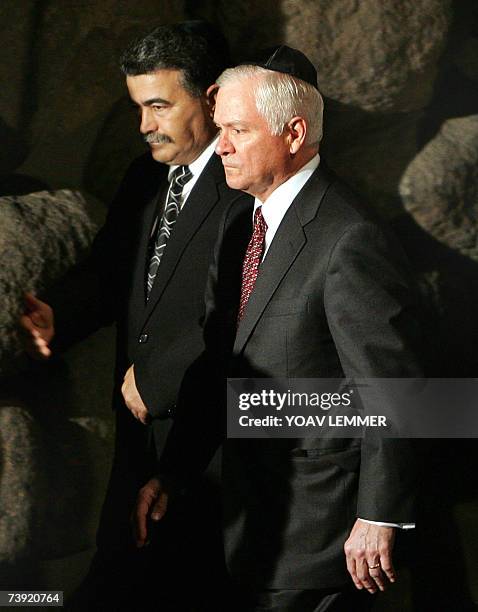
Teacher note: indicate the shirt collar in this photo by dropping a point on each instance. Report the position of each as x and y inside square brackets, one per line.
[277, 204]
[198, 165]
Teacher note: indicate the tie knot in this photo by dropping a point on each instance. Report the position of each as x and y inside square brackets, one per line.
[259, 221]
[181, 176]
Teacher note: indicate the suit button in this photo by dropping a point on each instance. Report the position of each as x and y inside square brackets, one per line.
[143, 338]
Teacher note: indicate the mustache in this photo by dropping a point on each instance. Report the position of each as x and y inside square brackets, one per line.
[155, 138]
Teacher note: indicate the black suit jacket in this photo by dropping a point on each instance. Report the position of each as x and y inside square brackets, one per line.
[163, 335]
[332, 300]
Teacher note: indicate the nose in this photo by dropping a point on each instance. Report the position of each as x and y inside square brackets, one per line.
[224, 145]
[148, 123]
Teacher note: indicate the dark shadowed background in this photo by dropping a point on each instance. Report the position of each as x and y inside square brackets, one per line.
[400, 79]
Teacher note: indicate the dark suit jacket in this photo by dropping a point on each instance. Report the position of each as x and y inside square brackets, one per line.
[162, 336]
[332, 300]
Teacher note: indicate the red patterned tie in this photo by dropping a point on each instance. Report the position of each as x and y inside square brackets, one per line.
[252, 259]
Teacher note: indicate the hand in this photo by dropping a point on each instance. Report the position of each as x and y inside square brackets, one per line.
[152, 501]
[37, 324]
[132, 398]
[368, 552]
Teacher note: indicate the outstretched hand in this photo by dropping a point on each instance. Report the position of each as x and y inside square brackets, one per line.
[37, 324]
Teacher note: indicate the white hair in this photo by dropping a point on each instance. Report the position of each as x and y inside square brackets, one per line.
[280, 97]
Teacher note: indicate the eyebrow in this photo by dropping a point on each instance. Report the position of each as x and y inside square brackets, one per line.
[234, 124]
[151, 101]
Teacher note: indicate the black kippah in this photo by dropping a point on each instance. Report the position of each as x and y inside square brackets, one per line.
[288, 60]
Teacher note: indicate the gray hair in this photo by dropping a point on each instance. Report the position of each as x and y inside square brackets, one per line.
[279, 97]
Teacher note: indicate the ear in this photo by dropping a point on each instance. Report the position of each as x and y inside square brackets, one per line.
[297, 128]
[211, 95]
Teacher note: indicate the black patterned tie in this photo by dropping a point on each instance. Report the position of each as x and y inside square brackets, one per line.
[179, 178]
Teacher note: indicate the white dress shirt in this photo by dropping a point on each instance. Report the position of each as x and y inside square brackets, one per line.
[196, 167]
[274, 209]
[278, 203]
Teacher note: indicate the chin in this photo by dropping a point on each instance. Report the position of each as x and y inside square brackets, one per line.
[160, 154]
[234, 182]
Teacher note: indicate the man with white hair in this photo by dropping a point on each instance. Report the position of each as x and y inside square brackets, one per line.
[319, 291]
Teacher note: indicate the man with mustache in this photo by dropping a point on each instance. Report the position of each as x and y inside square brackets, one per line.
[147, 275]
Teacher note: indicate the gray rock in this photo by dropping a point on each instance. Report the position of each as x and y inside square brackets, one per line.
[42, 235]
[440, 186]
[51, 479]
[378, 56]
[56, 422]
[21, 483]
[56, 447]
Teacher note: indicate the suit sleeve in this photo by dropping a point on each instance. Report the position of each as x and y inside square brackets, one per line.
[85, 299]
[81, 301]
[373, 317]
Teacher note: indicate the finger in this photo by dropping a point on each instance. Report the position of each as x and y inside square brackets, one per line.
[31, 325]
[364, 576]
[372, 558]
[378, 577]
[44, 349]
[160, 506]
[38, 319]
[27, 324]
[136, 413]
[38, 355]
[353, 572]
[143, 415]
[139, 412]
[140, 522]
[41, 345]
[39, 312]
[387, 564]
[373, 564]
[37, 339]
[35, 345]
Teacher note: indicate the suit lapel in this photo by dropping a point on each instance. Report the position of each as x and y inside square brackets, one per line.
[279, 258]
[284, 249]
[202, 199]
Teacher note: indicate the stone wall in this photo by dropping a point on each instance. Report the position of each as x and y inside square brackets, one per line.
[55, 421]
[401, 126]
